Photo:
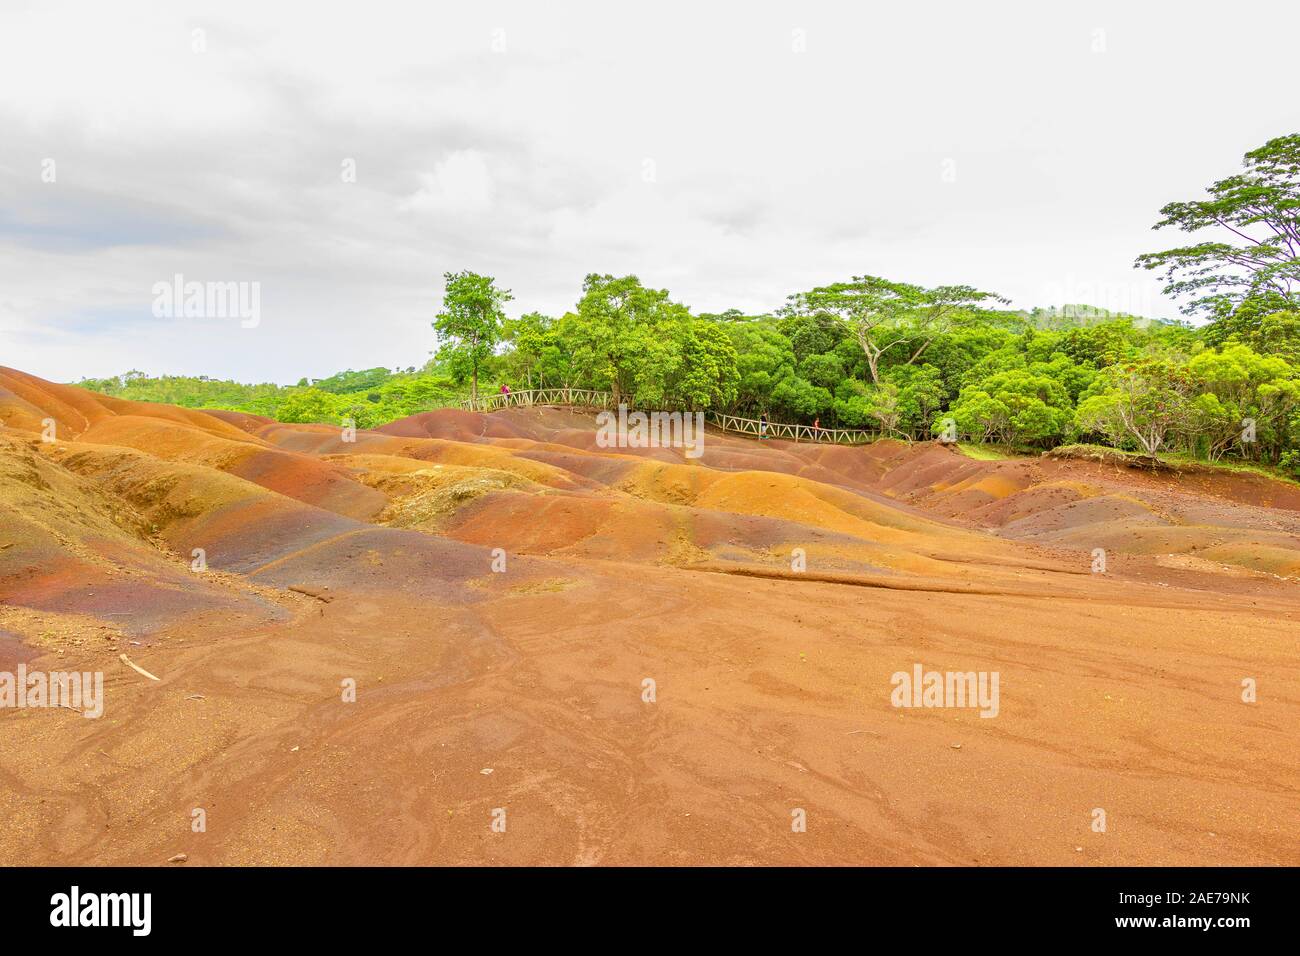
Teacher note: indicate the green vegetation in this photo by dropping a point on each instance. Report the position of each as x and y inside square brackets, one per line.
[1252, 266]
[899, 359]
[909, 363]
[980, 452]
[368, 398]
[470, 323]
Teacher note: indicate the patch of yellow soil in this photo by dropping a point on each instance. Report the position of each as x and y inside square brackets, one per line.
[425, 497]
[53, 631]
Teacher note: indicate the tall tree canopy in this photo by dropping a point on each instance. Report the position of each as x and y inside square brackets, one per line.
[884, 315]
[1253, 267]
[616, 340]
[470, 323]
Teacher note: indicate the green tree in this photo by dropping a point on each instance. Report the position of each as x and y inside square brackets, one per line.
[616, 342]
[534, 339]
[706, 374]
[1074, 377]
[825, 370]
[351, 381]
[1015, 407]
[312, 406]
[812, 333]
[1244, 399]
[470, 323]
[977, 415]
[1144, 402]
[1256, 263]
[1103, 344]
[798, 398]
[764, 358]
[919, 393]
[1278, 334]
[884, 315]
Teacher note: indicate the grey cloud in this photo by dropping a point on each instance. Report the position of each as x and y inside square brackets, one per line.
[70, 220]
[775, 171]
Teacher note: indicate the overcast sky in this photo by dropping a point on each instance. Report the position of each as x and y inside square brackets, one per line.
[731, 153]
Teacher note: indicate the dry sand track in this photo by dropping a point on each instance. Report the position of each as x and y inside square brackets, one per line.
[373, 562]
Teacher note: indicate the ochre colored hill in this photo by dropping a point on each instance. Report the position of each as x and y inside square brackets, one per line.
[499, 588]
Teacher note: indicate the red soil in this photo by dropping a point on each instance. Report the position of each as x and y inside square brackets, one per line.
[329, 560]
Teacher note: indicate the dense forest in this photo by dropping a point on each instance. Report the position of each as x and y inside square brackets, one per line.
[902, 360]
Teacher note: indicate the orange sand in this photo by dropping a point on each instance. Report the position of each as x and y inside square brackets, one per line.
[329, 561]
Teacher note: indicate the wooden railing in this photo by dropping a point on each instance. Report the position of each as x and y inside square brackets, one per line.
[831, 436]
[590, 398]
[574, 397]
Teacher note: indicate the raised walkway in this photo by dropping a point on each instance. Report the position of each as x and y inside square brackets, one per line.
[588, 398]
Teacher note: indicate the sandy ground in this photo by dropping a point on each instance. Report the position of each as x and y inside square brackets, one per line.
[770, 591]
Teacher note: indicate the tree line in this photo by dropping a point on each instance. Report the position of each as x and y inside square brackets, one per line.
[903, 360]
[366, 398]
[913, 362]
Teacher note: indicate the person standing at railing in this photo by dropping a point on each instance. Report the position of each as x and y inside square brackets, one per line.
[505, 390]
[762, 426]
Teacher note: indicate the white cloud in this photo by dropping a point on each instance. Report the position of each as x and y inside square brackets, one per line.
[773, 170]
[459, 184]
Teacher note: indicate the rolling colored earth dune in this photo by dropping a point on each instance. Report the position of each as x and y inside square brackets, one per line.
[472, 638]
